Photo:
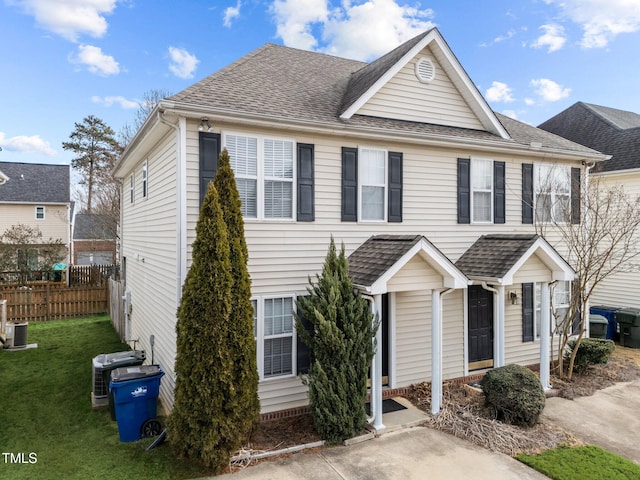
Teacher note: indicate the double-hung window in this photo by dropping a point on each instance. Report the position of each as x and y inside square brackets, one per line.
[40, 213]
[481, 190]
[372, 172]
[273, 328]
[264, 171]
[553, 193]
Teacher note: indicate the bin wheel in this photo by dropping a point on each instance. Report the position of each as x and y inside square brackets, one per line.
[151, 428]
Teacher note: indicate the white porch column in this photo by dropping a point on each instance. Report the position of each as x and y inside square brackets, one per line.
[545, 330]
[436, 353]
[376, 369]
[499, 333]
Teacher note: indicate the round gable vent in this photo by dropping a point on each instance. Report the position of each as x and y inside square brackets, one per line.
[425, 70]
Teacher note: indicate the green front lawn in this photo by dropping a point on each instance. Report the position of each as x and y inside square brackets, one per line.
[46, 414]
[582, 463]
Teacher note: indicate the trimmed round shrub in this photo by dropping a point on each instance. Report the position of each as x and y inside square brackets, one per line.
[591, 351]
[515, 393]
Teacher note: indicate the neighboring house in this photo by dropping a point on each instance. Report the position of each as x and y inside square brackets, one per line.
[615, 133]
[404, 162]
[94, 239]
[37, 195]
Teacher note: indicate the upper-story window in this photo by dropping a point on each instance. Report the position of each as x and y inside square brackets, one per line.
[265, 175]
[372, 173]
[552, 193]
[481, 190]
[40, 213]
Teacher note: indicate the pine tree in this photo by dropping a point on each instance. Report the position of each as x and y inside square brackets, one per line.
[244, 405]
[200, 426]
[341, 345]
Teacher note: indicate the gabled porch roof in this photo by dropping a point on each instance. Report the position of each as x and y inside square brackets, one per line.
[379, 258]
[496, 258]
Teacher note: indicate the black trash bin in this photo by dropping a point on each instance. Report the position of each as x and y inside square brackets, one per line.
[597, 326]
[135, 395]
[103, 364]
[629, 321]
[609, 313]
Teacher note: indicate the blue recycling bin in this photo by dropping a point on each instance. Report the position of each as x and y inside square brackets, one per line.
[610, 314]
[135, 392]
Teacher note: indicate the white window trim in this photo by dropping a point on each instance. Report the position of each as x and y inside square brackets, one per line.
[554, 193]
[145, 179]
[474, 160]
[132, 189]
[260, 337]
[44, 212]
[386, 185]
[553, 306]
[261, 178]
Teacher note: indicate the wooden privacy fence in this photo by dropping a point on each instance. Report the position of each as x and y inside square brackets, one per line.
[116, 307]
[42, 303]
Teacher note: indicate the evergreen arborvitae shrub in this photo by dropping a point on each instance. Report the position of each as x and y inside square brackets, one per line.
[515, 393]
[341, 345]
[244, 404]
[591, 351]
[201, 426]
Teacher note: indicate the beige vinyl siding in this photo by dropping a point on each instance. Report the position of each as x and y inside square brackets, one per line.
[413, 337]
[404, 97]
[621, 289]
[416, 273]
[515, 350]
[281, 394]
[533, 270]
[55, 224]
[149, 246]
[453, 318]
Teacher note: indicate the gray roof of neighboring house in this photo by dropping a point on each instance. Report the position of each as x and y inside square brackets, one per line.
[91, 226]
[35, 183]
[276, 82]
[492, 256]
[376, 255]
[610, 131]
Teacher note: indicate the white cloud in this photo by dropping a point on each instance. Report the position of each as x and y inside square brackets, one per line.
[549, 90]
[601, 20]
[69, 18]
[95, 60]
[109, 101]
[510, 114]
[183, 64]
[25, 144]
[553, 38]
[360, 31]
[529, 101]
[231, 13]
[499, 92]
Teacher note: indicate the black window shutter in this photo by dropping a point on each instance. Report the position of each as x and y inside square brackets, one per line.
[464, 190]
[349, 184]
[395, 187]
[303, 355]
[575, 196]
[209, 152]
[527, 193]
[306, 195]
[498, 192]
[527, 312]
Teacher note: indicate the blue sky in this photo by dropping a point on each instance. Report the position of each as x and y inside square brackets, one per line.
[62, 60]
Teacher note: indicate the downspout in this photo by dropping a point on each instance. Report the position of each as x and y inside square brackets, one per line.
[436, 349]
[498, 334]
[181, 214]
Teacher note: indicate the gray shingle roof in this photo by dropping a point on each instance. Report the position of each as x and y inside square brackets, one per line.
[608, 130]
[91, 226]
[35, 183]
[492, 256]
[376, 255]
[276, 82]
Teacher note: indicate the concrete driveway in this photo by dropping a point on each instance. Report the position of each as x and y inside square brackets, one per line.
[610, 418]
[415, 453]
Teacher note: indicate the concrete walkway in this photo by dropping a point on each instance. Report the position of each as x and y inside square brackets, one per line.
[610, 418]
[414, 453]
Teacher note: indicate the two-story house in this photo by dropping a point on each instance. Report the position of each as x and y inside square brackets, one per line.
[403, 161]
[36, 195]
[94, 239]
[616, 133]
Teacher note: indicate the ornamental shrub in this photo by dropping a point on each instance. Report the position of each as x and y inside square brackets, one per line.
[340, 338]
[515, 394]
[591, 351]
